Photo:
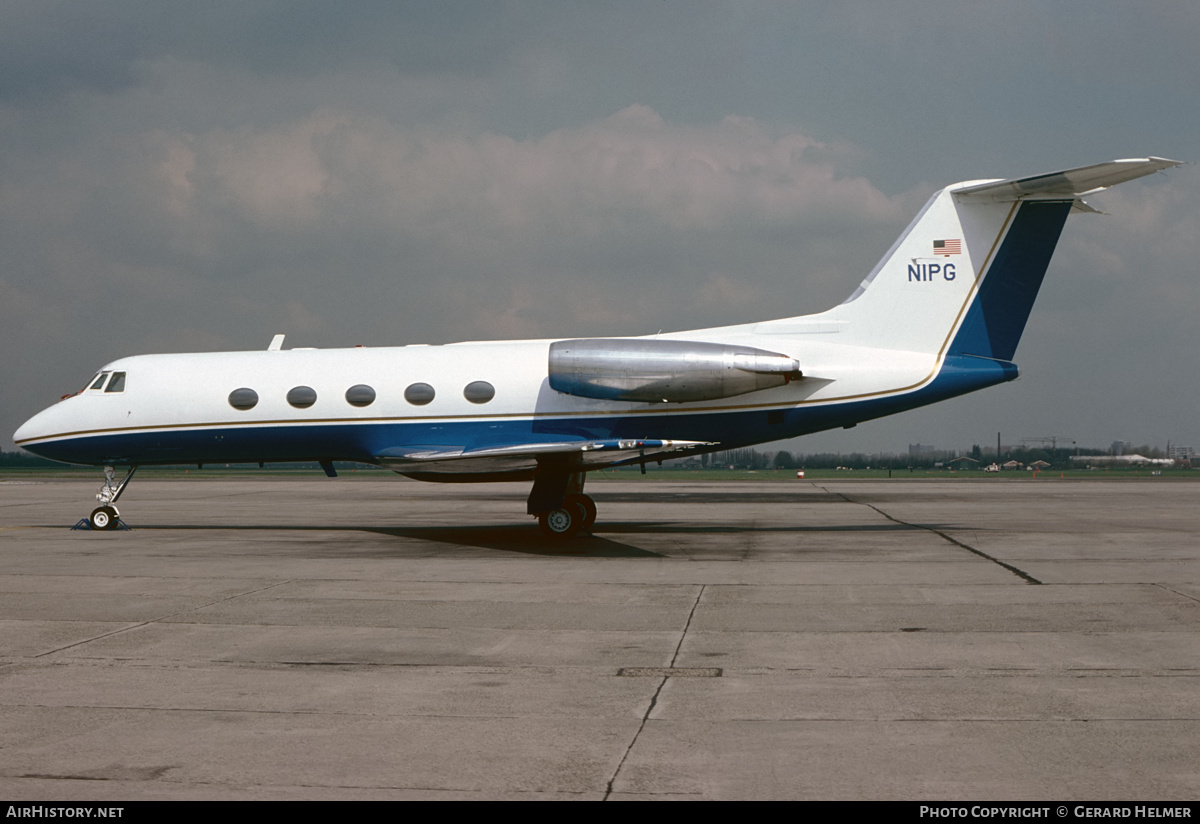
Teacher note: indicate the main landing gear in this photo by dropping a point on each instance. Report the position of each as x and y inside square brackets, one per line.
[561, 508]
[106, 515]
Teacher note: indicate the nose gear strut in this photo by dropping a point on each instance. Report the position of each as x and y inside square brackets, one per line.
[106, 515]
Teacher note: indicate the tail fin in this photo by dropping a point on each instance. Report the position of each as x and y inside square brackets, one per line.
[963, 278]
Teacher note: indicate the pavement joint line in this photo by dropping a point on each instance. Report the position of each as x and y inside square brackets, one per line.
[1177, 592]
[1020, 573]
[141, 624]
[93, 638]
[608, 790]
[679, 672]
[687, 625]
[250, 711]
[263, 785]
[693, 672]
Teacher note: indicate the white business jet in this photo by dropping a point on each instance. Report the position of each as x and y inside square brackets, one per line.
[939, 316]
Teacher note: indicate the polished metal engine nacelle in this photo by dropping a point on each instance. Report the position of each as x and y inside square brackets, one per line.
[664, 371]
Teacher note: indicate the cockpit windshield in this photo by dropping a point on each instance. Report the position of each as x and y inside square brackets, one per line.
[115, 382]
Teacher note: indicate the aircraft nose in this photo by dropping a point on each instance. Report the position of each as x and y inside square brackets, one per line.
[27, 430]
[41, 425]
[58, 433]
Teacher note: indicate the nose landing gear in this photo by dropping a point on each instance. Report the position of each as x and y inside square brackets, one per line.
[106, 516]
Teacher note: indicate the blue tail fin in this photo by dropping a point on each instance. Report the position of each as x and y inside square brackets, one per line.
[997, 316]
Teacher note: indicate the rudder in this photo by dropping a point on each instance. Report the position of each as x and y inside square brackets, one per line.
[998, 314]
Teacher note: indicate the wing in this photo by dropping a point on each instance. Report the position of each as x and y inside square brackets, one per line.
[525, 457]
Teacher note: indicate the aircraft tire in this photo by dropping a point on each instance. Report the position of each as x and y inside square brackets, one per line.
[589, 508]
[104, 517]
[561, 524]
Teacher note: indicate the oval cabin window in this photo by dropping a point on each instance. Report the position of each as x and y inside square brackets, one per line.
[479, 392]
[302, 397]
[243, 398]
[360, 395]
[419, 394]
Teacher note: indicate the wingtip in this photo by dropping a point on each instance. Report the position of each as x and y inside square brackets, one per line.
[1163, 162]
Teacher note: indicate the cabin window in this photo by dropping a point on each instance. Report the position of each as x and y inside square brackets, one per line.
[243, 398]
[419, 394]
[479, 392]
[99, 381]
[360, 395]
[117, 384]
[302, 397]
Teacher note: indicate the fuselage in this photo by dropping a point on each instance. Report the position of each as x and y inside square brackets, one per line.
[177, 408]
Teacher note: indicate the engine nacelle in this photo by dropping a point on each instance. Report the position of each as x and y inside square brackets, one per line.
[664, 371]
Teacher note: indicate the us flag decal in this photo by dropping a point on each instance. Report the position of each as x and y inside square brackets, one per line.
[947, 247]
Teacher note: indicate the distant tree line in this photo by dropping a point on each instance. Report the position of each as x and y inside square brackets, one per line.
[750, 458]
[22, 458]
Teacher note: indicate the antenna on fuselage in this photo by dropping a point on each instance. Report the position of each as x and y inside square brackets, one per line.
[276, 343]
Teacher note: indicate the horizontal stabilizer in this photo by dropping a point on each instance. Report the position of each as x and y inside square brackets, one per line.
[1069, 184]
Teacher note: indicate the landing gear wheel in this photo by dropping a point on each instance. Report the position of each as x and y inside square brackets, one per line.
[104, 517]
[561, 523]
[589, 508]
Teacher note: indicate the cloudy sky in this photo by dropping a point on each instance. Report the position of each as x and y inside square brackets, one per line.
[199, 176]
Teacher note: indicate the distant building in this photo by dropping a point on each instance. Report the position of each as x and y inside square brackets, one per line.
[921, 449]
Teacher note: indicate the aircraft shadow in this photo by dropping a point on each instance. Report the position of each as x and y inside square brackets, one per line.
[528, 540]
[699, 495]
[521, 539]
[639, 527]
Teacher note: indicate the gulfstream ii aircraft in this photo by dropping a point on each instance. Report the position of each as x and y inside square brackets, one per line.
[939, 316]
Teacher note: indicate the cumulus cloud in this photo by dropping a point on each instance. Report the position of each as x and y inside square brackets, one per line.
[627, 168]
[419, 217]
